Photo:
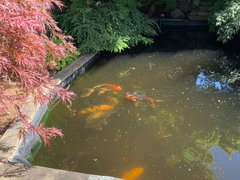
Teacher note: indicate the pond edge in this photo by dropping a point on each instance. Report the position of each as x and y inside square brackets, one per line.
[13, 150]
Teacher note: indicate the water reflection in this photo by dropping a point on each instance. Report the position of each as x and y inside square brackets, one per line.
[225, 164]
[205, 81]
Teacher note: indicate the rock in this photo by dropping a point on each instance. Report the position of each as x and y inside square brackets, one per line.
[177, 14]
[195, 4]
[193, 12]
[203, 8]
[206, 3]
[183, 6]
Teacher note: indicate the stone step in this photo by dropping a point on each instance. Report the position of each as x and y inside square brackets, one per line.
[198, 18]
[204, 13]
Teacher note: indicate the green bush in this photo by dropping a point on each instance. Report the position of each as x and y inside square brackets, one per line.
[106, 25]
[225, 19]
[69, 59]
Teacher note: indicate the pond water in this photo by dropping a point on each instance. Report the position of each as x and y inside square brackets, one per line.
[184, 124]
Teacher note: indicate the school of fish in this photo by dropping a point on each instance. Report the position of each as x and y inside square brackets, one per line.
[96, 116]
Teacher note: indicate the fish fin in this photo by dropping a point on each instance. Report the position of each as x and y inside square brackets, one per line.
[72, 114]
[97, 114]
[94, 115]
[101, 92]
[136, 104]
[105, 122]
[72, 111]
[83, 112]
[99, 128]
[153, 105]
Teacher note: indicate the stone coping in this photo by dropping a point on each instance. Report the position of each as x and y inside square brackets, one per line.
[14, 150]
[12, 171]
[169, 23]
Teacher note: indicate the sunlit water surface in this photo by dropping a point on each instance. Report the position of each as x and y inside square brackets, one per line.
[193, 134]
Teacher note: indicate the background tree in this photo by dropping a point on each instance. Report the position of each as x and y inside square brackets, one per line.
[25, 42]
[106, 25]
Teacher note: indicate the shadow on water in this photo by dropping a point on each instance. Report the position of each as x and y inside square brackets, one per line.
[184, 124]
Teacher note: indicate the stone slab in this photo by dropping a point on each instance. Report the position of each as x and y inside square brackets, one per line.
[11, 171]
[183, 23]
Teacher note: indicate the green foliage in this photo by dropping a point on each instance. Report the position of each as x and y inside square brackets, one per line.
[105, 25]
[169, 3]
[225, 19]
[69, 59]
[65, 61]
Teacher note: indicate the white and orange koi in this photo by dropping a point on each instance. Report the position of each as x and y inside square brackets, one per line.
[103, 88]
[143, 98]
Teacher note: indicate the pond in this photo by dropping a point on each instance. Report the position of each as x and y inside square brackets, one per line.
[172, 114]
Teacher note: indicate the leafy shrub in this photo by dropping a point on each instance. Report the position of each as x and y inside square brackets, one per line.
[64, 61]
[69, 59]
[106, 25]
[225, 19]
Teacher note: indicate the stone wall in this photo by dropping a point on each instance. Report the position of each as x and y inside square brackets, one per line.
[190, 9]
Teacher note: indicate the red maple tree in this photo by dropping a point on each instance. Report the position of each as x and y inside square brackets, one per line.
[26, 30]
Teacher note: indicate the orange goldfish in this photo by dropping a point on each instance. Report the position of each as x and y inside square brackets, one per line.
[95, 109]
[133, 174]
[113, 100]
[103, 89]
[138, 97]
[99, 119]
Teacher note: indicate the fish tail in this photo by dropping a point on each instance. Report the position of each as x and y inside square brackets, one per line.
[88, 93]
[153, 105]
[91, 90]
[72, 111]
[157, 100]
[133, 174]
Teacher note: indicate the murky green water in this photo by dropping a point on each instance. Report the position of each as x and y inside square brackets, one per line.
[194, 134]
